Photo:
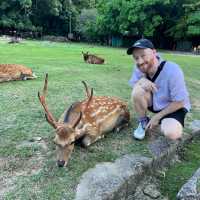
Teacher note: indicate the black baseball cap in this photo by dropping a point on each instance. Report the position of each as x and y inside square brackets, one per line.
[142, 43]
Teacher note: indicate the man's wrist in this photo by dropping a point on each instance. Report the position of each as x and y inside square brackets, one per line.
[159, 115]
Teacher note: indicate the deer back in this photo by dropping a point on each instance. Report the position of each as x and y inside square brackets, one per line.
[101, 115]
[15, 72]
[92, 59]
[95, 59]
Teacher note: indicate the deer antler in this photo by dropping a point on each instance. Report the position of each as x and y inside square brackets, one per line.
[48, 115]
[89, 99]
[89, 94]
[86, 89]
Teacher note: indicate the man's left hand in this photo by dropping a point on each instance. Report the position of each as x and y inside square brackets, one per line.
[154, 121]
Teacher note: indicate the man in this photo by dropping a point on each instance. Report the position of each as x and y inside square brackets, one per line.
[158, 86]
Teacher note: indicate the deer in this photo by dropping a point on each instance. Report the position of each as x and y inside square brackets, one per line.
[11, 72]
[85, 121]
[14, 40]
[92, 59]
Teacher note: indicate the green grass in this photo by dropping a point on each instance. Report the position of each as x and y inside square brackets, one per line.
[22, 117]
[179, 174]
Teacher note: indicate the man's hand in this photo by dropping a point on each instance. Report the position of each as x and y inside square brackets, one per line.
[154, 121]
[147, 85]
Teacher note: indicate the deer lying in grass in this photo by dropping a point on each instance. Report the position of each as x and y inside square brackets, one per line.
[86, 121]
[11, 72]
[92, 59]
[14, 40]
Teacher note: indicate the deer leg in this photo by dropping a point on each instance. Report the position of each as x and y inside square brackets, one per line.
[121, 123]
[88, 140]
[119, 128]
[93, 137]
[8, 77]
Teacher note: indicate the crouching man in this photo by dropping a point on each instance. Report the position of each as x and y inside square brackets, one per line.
[159, 87]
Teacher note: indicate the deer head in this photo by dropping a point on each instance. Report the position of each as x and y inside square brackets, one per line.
[65, 133]
[85, 55]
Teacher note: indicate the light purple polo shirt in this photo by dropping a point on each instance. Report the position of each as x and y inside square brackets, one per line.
[170, 83]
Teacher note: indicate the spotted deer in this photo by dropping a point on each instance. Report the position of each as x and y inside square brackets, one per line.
[86, 121]
[11, 72]
[92, 59]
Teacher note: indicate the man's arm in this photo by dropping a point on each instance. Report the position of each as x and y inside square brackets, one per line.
[172, 107]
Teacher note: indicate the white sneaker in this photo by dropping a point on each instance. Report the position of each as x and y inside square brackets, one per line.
[139, 133]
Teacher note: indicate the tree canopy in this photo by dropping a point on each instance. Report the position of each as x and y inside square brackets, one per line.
[93, 19]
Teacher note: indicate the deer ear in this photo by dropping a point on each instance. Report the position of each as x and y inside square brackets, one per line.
[77, 120]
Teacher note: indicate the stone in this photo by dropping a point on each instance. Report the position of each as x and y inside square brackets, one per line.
[112, 180]
[151, 191]
[195, 126]
[189, 190]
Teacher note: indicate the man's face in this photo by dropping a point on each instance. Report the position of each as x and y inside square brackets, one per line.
[144, 58]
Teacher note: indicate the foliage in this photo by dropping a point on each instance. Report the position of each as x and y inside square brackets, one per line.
[15, 14]
[139, 18]
[96, 19]
[86, 25]
[187, 22]
[193, 19]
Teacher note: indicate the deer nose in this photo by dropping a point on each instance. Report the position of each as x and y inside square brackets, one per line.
[60, 163]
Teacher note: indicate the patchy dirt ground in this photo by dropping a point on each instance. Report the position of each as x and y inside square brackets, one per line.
[11, 167]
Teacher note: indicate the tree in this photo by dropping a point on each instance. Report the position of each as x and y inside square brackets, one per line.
[186, 23]
[132, 17]
[192, 11]
[15, 14]
[87, 24]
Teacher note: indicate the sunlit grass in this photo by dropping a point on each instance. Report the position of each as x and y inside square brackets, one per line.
[22, 117]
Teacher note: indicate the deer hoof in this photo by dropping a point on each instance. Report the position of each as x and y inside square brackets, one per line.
[86, 142]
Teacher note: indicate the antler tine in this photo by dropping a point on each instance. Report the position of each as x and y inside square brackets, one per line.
[45, 85]
[89, 99]
[48, 115]
[86, 89]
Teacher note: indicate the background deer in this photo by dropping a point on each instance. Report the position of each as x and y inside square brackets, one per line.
[86, 121]
[92, 59]
[11, 72]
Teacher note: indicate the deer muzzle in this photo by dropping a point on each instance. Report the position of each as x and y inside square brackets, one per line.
[61, 163]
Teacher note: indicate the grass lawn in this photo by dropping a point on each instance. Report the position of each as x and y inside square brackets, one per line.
[28, 169]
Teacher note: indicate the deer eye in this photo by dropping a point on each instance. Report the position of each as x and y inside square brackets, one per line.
[56, 142]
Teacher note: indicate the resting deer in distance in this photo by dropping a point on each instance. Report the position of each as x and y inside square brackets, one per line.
[86, 121]
[92, 59]
[14, 72]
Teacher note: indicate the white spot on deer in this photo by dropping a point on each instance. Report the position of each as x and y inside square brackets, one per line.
[108, 115]
[97, 112]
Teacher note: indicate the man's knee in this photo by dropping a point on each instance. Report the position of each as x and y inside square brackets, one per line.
[171, 128]
[139, 93]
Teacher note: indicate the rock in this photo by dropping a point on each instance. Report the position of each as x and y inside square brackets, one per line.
[113, 180]
[189, 191]
[195, 126]
[151, 191]
[35, 139]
